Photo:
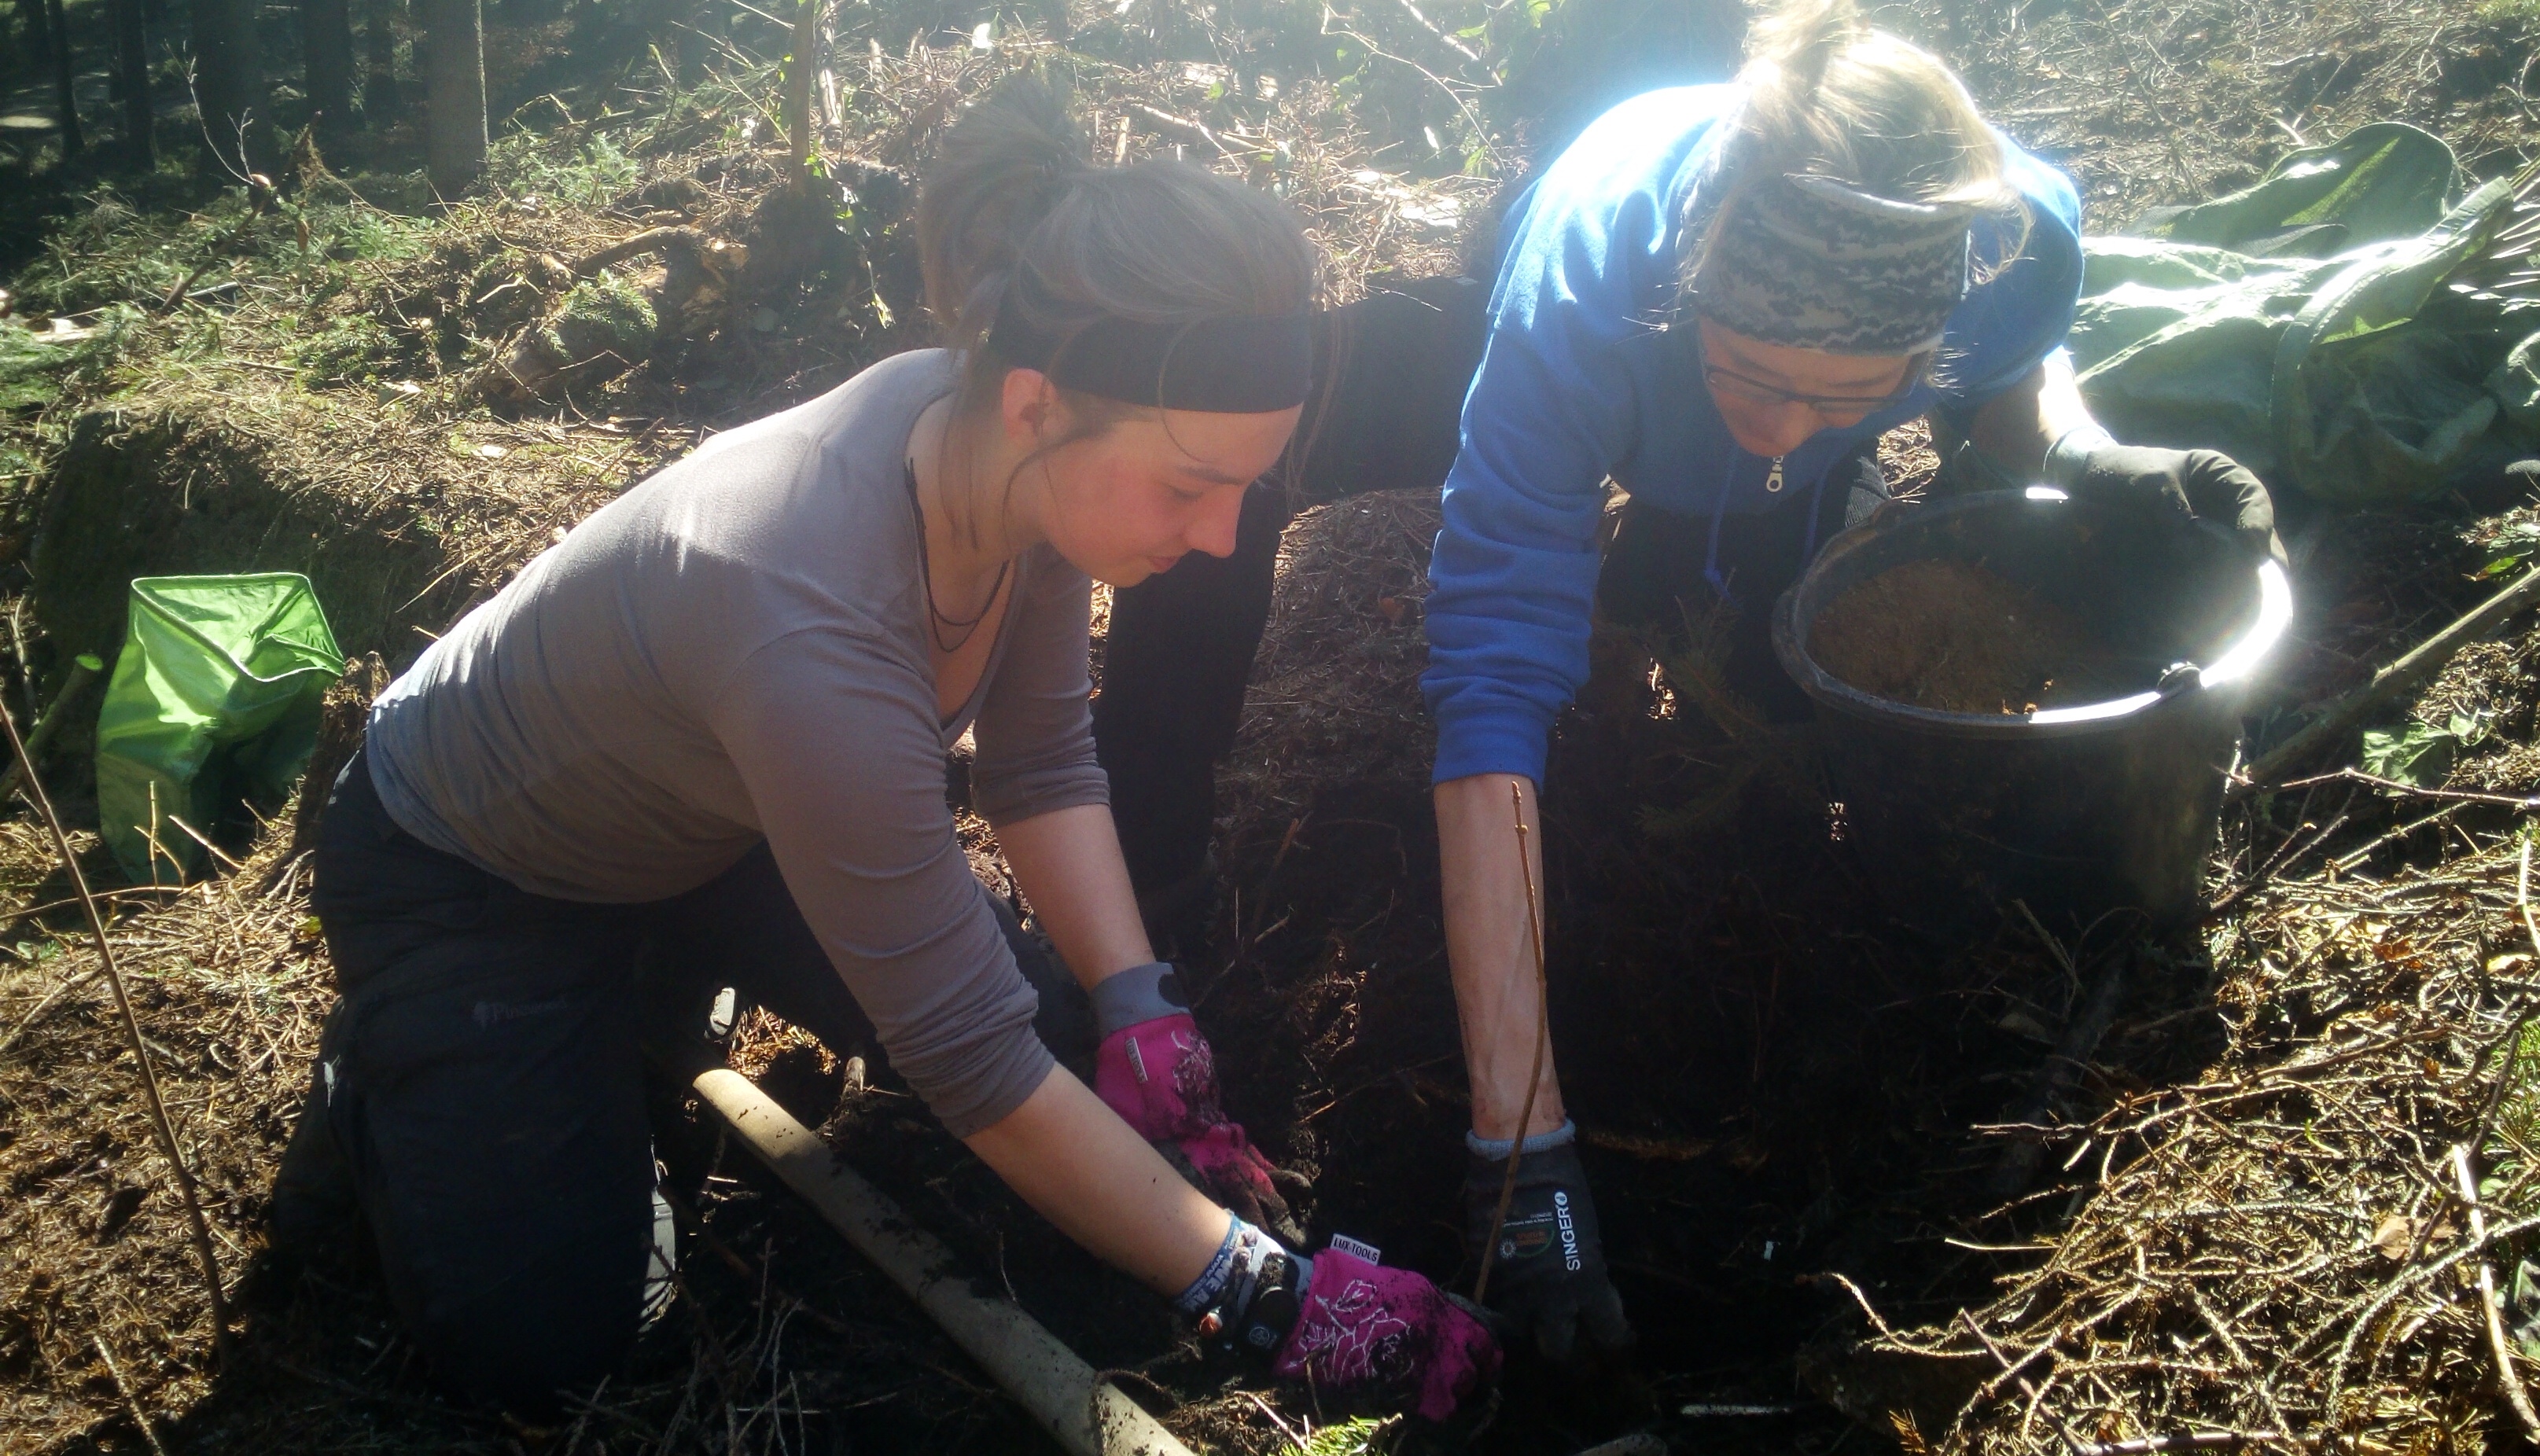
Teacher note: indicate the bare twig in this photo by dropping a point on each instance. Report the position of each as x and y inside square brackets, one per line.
[2505, 1375]
[1542, 1037]
[2203, 1440]
[2035, 1400]
[34, 789]
[131, 1402]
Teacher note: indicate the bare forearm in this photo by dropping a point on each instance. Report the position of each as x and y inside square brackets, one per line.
[1069, 866]
[2017, 425]
[1074, 1160]
[1490, 949]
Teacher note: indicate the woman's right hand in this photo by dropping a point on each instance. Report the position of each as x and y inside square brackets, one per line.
[1363, 1329]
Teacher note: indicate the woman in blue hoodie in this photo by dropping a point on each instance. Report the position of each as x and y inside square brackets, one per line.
[1718, 298]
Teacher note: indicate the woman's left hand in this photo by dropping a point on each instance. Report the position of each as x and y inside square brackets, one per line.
[1161, 1077]
[2205, 484]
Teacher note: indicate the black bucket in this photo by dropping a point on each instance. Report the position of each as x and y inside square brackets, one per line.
[2074, 811]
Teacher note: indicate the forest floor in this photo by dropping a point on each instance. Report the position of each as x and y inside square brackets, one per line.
[2061, 1188]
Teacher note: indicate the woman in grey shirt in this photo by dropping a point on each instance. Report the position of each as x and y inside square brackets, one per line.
[701, 743]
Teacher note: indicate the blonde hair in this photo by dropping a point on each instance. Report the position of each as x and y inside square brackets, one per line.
[1828, 95]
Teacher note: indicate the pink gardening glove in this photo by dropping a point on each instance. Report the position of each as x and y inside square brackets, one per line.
[1161, 1077]
[1364, 1328]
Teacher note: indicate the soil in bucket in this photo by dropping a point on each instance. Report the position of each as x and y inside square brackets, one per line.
[1954, 637]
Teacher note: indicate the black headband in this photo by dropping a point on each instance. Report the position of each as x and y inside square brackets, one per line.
[1235, 365]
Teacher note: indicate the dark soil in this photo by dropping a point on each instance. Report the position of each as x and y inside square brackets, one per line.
[1953, 636]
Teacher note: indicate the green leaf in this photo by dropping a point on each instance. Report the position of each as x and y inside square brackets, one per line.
[2419, 755]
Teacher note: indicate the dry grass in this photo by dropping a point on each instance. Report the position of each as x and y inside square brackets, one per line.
[227, 983]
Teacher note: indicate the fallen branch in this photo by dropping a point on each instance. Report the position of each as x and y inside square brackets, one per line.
[1180, 126]
[2418, 664]
[83, 668]
[2412, 791]
[1085, 1415]
[634, 246]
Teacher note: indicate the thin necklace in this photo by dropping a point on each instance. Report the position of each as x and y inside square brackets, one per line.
[936, 620]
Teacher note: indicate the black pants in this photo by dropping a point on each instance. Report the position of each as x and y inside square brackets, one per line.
[482, 1082]
[1181, 643]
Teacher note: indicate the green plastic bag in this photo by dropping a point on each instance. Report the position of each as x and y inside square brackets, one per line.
[2304, 326]
[214, 699]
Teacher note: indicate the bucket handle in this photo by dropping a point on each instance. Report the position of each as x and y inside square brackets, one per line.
[2238, 660]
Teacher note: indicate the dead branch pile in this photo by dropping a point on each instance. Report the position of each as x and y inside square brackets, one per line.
[2281, 1252]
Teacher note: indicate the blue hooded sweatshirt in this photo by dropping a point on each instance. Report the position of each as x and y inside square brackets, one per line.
[1581, 380]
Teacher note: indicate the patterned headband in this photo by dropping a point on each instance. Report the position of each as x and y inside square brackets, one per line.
[1813, 263]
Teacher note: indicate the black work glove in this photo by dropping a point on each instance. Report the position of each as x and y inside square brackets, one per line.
[1549, 1273]
[2206, 484]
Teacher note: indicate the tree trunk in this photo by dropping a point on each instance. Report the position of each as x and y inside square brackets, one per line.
[132, 68]
[231, 89]
[453, 82]
[326, 58]
[379, 90]
[65, 95]
[801, 63]
[38, 31]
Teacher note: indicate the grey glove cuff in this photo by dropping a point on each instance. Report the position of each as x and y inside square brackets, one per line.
[1139, 993]
[2069, 454]
[1500, 1147]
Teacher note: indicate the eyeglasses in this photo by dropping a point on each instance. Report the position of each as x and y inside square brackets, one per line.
[1756, 392]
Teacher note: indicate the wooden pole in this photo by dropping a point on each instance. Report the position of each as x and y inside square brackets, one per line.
[1084, 1413]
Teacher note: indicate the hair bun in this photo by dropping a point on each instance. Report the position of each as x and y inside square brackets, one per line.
[1001, 172]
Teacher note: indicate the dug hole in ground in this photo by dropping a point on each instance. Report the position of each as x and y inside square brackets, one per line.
[1847, 1176]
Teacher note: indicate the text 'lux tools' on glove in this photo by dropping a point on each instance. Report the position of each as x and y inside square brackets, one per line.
[1549, 1270]
[1156, 1072]
[2206, 484]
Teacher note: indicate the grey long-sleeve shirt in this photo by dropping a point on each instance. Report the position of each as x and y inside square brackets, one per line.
[736, 649]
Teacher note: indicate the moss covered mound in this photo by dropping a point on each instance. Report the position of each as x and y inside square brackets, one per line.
[400, 523]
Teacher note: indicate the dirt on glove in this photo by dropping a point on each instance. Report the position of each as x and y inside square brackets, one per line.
[1953, 636]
